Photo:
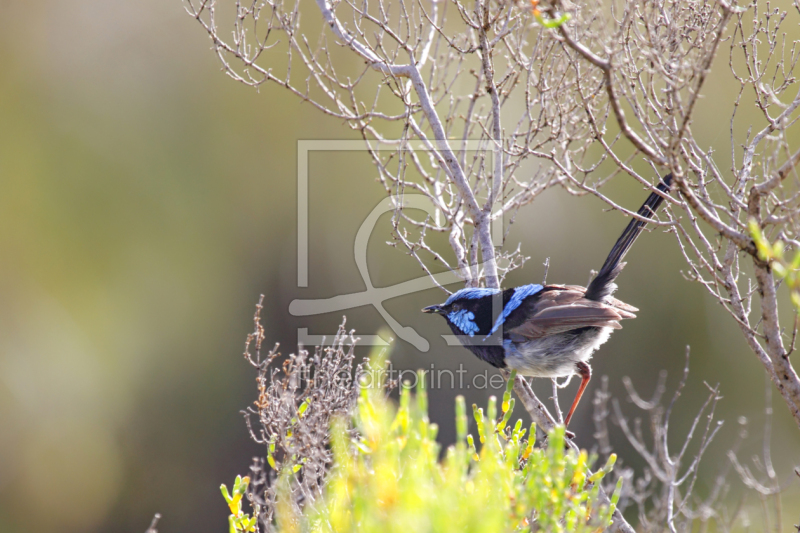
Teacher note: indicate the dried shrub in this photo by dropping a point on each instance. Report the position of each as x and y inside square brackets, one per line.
[298, 398]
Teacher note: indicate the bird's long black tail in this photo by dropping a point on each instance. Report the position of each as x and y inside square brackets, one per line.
[603, 284]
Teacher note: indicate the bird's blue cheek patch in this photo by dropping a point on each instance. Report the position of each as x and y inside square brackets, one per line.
[464, 320]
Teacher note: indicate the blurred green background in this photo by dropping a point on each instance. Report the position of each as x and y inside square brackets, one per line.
[147, 200]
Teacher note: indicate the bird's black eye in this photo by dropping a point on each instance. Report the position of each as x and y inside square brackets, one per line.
[455, 307]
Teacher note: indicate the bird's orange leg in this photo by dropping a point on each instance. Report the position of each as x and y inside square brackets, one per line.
[585, 372]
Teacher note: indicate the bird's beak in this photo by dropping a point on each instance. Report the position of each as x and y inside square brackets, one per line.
[433, 309]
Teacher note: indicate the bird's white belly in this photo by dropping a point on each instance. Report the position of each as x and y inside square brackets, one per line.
[555, 355]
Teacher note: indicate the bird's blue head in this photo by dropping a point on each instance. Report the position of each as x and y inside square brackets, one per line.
[471, 311]
[468, 311]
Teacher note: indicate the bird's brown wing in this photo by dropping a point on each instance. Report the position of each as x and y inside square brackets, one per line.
[564, 308]
[610, 300]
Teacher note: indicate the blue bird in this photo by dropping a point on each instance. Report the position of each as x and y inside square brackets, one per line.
[547, 331]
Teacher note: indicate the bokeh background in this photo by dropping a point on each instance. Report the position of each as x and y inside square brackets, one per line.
[146, 200]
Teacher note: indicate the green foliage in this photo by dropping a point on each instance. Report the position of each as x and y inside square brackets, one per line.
[782, 267]
[238, 521]
[389, 478]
